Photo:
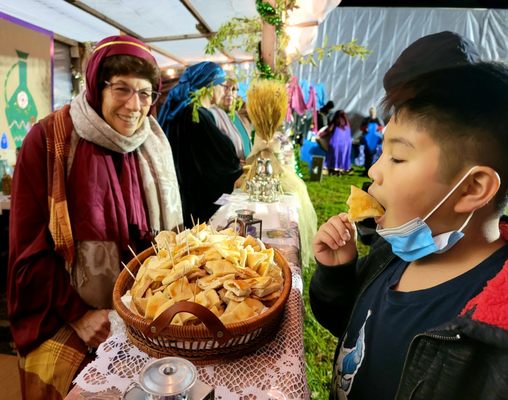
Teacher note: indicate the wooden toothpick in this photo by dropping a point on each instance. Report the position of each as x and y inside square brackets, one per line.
[135, 256]
[170, 253]
[154, 249]
[128, 270]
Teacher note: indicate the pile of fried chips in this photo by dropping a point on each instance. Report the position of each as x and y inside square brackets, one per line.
[236, 278]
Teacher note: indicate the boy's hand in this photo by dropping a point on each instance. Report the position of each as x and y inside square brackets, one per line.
[335, 241]
[93, 327]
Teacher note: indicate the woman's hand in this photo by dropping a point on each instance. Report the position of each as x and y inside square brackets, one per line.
[335, 241]
[93, 327]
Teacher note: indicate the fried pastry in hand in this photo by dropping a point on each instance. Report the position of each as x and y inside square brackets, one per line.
[362, 205]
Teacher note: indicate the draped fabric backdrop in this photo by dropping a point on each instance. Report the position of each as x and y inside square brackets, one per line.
[355, 85]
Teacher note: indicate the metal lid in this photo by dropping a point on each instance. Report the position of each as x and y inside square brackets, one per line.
[245, 214]
[168, 376]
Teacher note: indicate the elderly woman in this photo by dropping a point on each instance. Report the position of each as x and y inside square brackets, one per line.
[206, 160]
[228, 119]
[105, 169]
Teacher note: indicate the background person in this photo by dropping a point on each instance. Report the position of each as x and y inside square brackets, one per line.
[206, 160]
[372, 128]
[324, 114]
[220, 109]
[106, 170]
[230, 104]
[338, 156]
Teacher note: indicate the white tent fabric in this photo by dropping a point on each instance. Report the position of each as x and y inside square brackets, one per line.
[303, 40]
[62, 76]
[59, 17]
[355, 85]
[176, 29]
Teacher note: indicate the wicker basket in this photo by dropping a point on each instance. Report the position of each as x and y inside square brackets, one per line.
[202, 345]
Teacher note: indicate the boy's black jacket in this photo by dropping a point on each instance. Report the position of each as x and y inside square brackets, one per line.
[466, 358]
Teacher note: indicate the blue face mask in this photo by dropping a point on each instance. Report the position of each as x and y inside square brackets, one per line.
[413, 240]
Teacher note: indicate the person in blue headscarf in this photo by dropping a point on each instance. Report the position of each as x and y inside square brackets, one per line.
[205, 159]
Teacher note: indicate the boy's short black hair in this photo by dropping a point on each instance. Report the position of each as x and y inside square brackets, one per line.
[129, 65]
[464, 109]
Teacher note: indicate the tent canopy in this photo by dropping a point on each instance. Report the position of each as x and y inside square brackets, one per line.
[427, 3]
[177, 30]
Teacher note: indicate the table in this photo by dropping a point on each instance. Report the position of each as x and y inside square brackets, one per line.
[276, 371]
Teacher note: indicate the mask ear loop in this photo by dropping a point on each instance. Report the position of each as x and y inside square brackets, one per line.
[466, 221]
[449, 194]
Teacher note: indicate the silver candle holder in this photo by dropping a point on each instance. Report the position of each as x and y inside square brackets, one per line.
[264, 185]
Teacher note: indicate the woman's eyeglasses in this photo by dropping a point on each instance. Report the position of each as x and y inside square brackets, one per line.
[228, 88]
[122, 92]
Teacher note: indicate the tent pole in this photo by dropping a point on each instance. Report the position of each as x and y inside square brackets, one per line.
[268, 41]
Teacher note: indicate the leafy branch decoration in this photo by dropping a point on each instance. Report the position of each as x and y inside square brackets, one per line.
[351, 48]
[245, 34]
[197, 100]
[248, 30]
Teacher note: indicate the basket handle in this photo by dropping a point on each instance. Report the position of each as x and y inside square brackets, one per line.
[214, 324]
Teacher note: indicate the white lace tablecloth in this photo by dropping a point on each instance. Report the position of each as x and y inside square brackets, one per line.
[276, 371]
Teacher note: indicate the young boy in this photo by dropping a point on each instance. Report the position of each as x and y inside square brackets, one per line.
[425, 314]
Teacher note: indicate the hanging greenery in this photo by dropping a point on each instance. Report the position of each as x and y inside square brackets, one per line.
[199, 95]
[197, 100]
[351, 48]
[237, 33]
[264, 70]
[271, 15]
[245, 34]
[237, 104]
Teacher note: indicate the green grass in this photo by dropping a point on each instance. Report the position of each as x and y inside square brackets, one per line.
[329, 198]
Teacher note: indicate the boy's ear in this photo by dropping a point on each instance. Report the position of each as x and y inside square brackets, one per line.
[481, 187]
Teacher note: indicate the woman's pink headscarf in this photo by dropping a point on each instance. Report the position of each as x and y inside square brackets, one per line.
[111, 46]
